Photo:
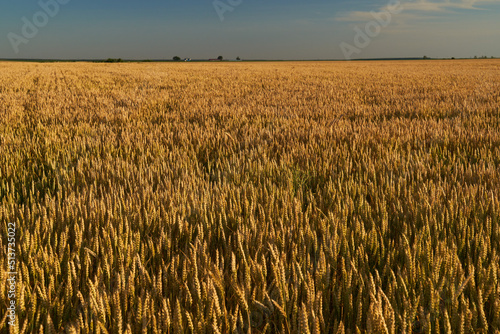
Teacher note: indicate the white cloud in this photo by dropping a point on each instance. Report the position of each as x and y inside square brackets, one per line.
[418, 9]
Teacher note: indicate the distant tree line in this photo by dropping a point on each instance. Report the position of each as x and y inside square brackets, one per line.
[175, 58]
[113, 60]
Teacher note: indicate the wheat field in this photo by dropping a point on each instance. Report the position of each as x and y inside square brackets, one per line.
[288, 197]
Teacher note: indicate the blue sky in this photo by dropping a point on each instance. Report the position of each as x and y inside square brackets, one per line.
[251, 29]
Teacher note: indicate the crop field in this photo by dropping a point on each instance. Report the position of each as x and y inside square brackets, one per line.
[286, 197]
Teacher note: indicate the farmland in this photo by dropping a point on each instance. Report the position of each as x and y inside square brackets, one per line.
[290, 197]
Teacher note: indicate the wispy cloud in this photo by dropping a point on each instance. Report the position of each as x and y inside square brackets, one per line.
[419, 9]
[445, 6]
[365, 16]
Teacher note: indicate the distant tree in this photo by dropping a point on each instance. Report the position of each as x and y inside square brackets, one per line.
[112, 60]
[238, 58]
[475, 57]
[452, 57]
[425, 57]
[220, 58]
[176, 58]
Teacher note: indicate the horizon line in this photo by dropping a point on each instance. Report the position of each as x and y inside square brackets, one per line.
[117, 60]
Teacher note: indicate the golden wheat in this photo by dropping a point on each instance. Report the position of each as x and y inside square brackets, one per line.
[252, 197]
